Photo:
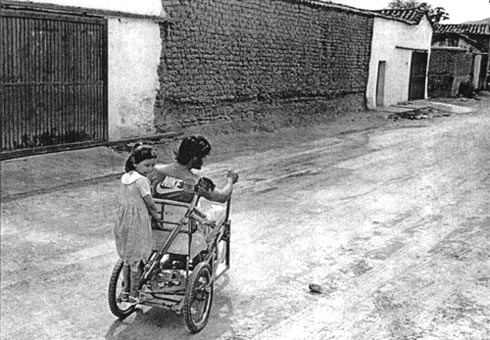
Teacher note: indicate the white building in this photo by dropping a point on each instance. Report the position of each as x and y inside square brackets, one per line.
[399, 57]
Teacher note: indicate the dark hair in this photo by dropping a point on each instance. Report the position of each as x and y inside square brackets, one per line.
[192, 147]
[140, 153]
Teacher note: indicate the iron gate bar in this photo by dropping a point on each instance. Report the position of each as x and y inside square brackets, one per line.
[75, 17]
[51, 149]
[53, 81]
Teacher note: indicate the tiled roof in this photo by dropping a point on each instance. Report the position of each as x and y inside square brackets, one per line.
[411, 15]
[480, 29]
[335, 5]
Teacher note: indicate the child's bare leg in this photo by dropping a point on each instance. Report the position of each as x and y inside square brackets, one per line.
[135, 275]
[126, 278]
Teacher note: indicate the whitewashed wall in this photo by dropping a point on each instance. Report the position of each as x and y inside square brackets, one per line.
[134, 47]
[393, 41]
[134, 55]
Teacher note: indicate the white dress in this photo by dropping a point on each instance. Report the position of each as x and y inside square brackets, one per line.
[132, 231]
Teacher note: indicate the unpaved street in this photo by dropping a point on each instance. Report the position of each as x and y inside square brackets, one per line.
[393, 223]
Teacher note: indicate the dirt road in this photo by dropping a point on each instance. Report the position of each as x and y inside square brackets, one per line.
[393, 223]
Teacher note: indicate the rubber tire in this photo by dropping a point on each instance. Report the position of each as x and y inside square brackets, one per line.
[117, 273]
[202, 270]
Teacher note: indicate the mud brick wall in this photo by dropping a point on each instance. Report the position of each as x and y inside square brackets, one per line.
[448, 68]
[260, 60]
[483, 41]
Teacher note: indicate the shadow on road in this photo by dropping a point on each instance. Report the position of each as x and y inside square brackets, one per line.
[156, 323]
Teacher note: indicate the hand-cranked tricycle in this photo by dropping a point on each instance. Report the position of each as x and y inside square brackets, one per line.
[189, 255]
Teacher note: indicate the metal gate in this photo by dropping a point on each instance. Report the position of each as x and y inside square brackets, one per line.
[53, 81]
[417, 75]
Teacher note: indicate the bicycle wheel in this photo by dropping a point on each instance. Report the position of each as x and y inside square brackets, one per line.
[198, 298]
[119, 291]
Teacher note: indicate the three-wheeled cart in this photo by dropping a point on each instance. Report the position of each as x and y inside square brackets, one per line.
[189, 255]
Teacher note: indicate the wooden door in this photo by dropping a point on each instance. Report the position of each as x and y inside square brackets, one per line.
[482, 84]
[418, 71]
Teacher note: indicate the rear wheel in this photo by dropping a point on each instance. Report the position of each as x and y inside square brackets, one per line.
[119, 291]
[198, 298]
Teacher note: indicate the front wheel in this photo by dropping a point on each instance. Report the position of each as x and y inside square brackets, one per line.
[119, 291]
[198, 298]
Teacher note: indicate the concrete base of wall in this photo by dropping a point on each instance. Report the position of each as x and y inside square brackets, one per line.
[257, 115]
[445, 85]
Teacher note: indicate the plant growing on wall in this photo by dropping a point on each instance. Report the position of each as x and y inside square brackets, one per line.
[436, 15]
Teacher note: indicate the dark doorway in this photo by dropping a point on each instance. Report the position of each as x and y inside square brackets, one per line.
[417, 75]
[380, 84]
[482, 82]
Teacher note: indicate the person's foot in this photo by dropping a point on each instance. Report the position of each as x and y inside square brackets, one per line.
[133, 300]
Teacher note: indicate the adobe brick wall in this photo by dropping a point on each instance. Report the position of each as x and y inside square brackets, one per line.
[483, 41]
[448, 68]
[260, 60]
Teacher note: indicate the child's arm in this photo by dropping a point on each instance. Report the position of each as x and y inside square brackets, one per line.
[152, 208]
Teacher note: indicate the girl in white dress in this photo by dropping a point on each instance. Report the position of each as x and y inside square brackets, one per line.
[132, 230]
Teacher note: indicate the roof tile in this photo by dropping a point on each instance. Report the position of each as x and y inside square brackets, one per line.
[410, 15]
[479, 29]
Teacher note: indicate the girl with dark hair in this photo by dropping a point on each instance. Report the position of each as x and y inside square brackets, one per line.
[132, 231]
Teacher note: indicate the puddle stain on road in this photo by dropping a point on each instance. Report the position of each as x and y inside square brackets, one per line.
[469, 242]
[386, 251]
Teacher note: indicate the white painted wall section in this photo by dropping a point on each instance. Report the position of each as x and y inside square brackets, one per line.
[133, 57]
[393, 41]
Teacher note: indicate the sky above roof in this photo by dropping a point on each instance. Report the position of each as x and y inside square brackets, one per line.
[459, 10]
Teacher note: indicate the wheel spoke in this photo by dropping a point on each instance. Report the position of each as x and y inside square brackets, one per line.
[196, 311]
[199, 297]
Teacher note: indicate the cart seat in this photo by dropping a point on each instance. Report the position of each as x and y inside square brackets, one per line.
[172, 212]
[179, 245]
